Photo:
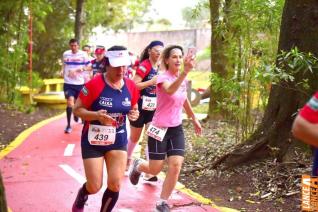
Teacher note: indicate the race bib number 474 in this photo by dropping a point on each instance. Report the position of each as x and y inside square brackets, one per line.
[101, 135]
[157, 133]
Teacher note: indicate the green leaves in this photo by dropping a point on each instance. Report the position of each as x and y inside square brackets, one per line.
[295, 66]
[53, 26]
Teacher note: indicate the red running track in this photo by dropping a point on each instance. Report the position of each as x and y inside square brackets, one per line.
[38, 176]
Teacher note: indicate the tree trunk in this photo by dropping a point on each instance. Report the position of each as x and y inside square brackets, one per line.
[79, 19]
[273, 137]
[218, 58]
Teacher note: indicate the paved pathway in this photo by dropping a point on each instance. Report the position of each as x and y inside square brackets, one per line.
[42, 171]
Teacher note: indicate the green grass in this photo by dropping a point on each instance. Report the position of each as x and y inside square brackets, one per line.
[201, 108]
[200, 79]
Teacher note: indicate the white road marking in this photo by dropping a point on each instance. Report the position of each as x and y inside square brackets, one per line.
[78, 177]
[70, 171]
[69, 150]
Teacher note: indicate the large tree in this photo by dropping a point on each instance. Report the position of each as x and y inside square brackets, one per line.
[79, 19]
[218, 57]
[273, 137]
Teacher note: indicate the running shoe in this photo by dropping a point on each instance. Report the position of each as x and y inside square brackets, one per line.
[163, 207]
[78, 205]
[150, 178]
[68, 130]
[134, 174]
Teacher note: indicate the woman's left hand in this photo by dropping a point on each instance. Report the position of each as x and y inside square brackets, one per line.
[189, 63]
[197, 127]
[133, 114]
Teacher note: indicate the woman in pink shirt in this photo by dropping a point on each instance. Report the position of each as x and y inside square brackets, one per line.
[166, 137]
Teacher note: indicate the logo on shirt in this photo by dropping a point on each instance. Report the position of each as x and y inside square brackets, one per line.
[126, 103]
[313, 103]
[106, 102]
[95, 129]
[143, 69]
[85, 91]
[120, 119]
[121, 131]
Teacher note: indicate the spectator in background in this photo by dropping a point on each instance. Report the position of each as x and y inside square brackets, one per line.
[88, 49]
[87, 73]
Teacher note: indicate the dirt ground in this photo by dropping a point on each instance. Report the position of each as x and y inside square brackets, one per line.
[262, 186]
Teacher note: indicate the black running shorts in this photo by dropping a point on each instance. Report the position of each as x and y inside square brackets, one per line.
[173, 144]
[72, 90]
[92, 151]
[145, 117]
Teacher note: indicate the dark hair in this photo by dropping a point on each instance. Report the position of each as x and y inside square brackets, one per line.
[117, 48]
[145, 53]
[73, 40]
[86, 46]
[100, 47]
[166, 53]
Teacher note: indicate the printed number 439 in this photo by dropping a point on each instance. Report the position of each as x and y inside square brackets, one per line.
[101, 137]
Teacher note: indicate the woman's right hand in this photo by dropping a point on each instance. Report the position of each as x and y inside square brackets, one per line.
[72, 74]
[154, 80]
[105, 119]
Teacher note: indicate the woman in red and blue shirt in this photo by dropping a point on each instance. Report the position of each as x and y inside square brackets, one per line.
[104, 103]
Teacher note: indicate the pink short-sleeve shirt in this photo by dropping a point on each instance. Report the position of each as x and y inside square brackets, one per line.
[169, 107]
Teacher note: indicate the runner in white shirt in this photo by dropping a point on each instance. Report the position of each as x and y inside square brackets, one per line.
[75, 63]
[88, 74]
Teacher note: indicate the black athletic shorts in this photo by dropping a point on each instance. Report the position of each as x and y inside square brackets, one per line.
[72, 90]
[93, 151]
[145, 116]
[172, 144]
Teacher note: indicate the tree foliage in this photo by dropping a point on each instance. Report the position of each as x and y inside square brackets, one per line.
[14, 42]
[197, 17]
[53, 26]
[247, 38]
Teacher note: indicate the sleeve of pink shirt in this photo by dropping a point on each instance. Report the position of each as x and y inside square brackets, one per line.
[161, 78]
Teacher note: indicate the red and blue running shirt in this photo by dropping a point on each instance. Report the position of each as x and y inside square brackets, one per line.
[146, 72]
[310, 110]
[98, 66]
[97, 95]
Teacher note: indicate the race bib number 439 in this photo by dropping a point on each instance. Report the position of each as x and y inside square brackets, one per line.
[101, 135]
[157, 133]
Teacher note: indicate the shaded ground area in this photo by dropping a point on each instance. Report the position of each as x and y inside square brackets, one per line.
[263, 186]
[13, 122]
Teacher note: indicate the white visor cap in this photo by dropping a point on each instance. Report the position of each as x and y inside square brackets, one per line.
[118, 58]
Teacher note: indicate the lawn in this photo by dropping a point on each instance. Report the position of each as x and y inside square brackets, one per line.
[200, 79]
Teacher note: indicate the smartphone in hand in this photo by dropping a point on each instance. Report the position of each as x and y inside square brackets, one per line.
[191, 52]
